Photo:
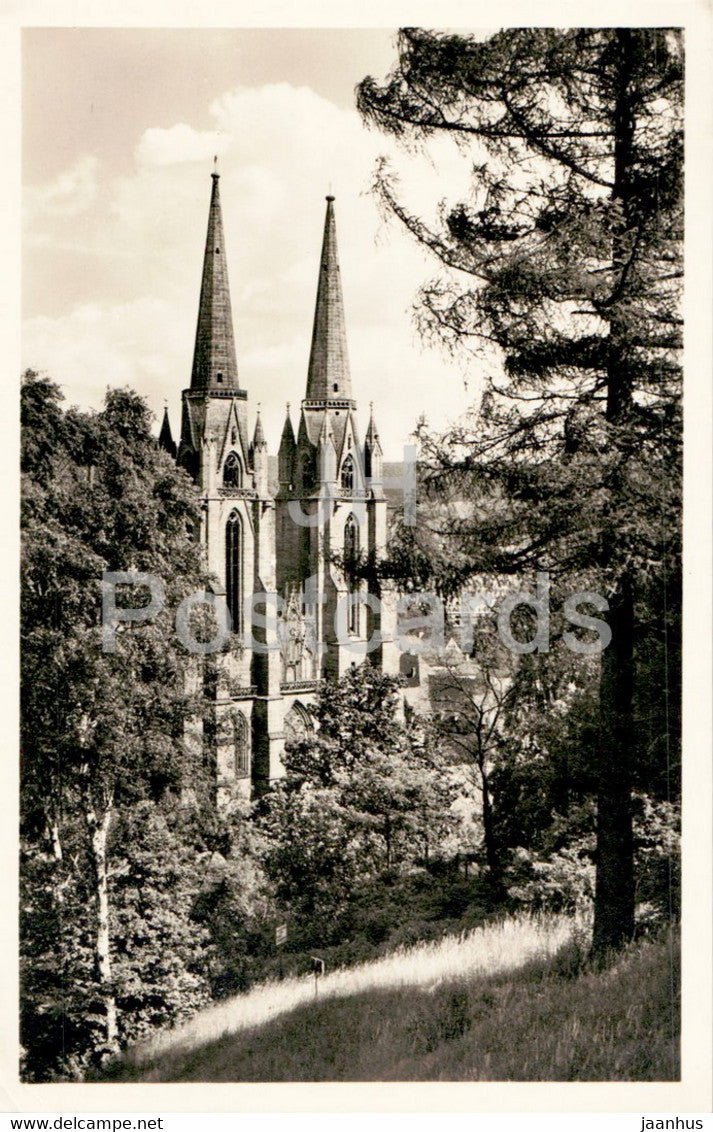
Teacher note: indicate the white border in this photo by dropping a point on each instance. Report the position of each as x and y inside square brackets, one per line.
[693, 1094]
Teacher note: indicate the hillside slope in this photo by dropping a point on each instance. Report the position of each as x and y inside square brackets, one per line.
[555, 1018]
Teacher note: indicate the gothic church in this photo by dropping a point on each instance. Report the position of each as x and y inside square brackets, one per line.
[329, 503]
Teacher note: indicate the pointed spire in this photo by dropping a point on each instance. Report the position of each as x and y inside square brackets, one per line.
[286, 453]
[259, 435]
[373, 466]
[328, 374]
[372, 432]
[165, 438]
[288, 432]
[214, 364]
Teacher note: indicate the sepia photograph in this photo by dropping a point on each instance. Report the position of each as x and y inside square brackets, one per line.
[351, 554]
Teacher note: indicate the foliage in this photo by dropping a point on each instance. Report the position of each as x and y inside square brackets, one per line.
[61, 1018]
[563, 880]
[108, 947]
[562, 269]
[159, 950]
[103, 498]
[657, 832]
[363, 794]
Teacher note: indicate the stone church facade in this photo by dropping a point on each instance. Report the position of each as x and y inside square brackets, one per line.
[279, 554]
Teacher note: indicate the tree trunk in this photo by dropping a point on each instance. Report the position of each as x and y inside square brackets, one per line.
[55, 839]
[98, 831]
[491, 852]
[614, 895]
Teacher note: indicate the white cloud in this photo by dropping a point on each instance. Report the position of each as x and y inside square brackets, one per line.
[142, 343]
[178, 144]
[69, 194]
[283, 148]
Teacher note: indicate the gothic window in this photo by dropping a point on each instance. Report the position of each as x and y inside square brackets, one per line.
[234, 569]
[232, 471]
[241, 747]
[298, 723]
[348, 474]
[351, 552]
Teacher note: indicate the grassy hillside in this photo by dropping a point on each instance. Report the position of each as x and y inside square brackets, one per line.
[555, 1018]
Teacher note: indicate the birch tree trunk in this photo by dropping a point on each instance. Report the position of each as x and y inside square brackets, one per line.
[98, 832]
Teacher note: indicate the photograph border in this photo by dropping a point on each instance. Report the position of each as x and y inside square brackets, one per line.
[692, 1093]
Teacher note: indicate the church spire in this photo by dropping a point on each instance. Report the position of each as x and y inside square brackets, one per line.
[214, 364]
[373, 453]
[259, 434]
[165, 437]
[286, 454]
[372, 432]
[328, 374]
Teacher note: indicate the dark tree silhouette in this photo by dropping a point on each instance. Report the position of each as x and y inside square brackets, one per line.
[566, 259]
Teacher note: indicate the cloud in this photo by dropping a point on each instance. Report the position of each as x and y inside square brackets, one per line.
[142, 344]
[69, 194]
[179, 144]
[283, 148]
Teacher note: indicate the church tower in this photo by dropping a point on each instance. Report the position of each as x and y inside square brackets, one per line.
[242, 735]
[331, 509]
[284, 569]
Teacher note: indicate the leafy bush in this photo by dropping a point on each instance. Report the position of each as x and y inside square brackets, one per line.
[657, 839]
[561, 882]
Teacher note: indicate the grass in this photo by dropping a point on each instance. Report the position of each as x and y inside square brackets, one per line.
[494, 947]
[433, 1013]
[384, 914]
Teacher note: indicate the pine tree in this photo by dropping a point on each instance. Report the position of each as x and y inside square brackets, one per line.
[566, 260]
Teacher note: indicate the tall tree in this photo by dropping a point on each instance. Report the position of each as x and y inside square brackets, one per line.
[362, 795]
[566, 260]
[102, 731]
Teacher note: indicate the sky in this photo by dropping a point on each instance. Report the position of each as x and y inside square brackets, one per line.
[119, 130]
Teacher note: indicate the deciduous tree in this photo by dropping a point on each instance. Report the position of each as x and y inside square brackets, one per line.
[102, 732]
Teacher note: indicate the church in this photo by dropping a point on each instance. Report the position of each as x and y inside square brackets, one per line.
[280, 549]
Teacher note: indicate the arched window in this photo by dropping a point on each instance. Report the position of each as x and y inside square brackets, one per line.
[298, 722]
[351, 554]
[232, 471]
[348, 474]
[241, 746]
[234, 569]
